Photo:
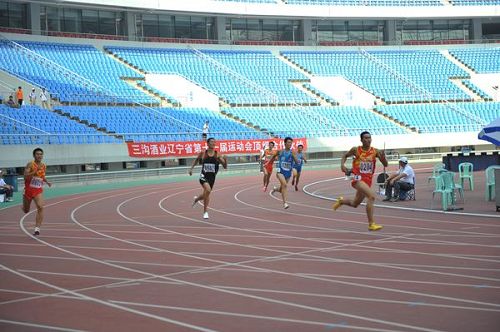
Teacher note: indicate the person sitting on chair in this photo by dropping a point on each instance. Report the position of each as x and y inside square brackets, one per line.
[402, 180]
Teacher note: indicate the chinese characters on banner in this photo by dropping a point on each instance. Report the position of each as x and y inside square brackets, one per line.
[190, 149]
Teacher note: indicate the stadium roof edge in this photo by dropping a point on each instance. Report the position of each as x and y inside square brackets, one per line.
[280, 9]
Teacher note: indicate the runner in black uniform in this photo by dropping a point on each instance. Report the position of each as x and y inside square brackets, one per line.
[209, 161]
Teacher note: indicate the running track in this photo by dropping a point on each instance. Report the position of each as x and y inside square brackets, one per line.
[143, 259]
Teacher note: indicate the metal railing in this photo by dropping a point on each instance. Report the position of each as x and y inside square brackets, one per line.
[78, 80]
[130, 175]
[420, 90]
[273, 97]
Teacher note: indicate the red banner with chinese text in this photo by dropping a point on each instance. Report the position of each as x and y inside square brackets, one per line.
[189, 149]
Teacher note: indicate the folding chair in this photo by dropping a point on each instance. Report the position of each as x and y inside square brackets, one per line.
[408, 195]
[381, 182]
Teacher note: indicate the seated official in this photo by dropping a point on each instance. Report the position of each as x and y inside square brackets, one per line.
[402, 180]
[5, 188]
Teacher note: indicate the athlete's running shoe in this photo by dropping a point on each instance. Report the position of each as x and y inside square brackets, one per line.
[286, 206]
[296, 188]
[37, 231]
[264, 189]
[205, 215]
[338, 203]
[275, 189]
[374, 227]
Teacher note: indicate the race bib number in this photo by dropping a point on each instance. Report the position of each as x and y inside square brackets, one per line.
[366, 167]
[356, 177]
[286, 166]
[36, 182]
[209, 168]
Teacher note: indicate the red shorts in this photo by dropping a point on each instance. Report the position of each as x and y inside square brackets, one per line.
[365, 178]
[31, 193]
[269, 167]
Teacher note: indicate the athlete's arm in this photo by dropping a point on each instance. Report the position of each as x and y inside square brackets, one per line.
[382, 158]
[275, 155]
[198, 157]
[304, 158]
[294, 155]
[223, 161]
[350, 153]
[29, 170]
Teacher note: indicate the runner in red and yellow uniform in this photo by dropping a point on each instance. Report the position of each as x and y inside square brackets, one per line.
[268, 162]
[34, 178]
[363, 167]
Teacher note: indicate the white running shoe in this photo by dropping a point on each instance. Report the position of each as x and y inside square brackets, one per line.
[205, 215]
[286, 206]
[275, 189]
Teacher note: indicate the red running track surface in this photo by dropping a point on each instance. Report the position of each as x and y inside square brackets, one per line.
[143, 259]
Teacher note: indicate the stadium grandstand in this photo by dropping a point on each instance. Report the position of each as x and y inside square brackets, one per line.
[119, 75]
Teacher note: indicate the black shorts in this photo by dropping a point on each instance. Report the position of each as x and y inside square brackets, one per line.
[207, 179]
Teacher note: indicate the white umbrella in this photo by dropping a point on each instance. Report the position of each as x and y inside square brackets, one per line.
[491, 132]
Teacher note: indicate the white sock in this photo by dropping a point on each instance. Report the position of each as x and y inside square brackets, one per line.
[37, 229]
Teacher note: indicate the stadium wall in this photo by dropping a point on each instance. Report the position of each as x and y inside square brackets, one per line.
[18, 155]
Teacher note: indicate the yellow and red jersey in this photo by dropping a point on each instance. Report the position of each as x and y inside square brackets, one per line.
[363, 165]
[36, 180]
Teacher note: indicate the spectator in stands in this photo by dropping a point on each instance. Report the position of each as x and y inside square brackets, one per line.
[44, 99]
[11, 102]
[5, 188]
[402, 180]
[20, 96]
[205, 131]
[32, 97]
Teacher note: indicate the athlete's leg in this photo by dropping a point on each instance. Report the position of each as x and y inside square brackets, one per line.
[26, 204]
[370, 200]
[267, 177]
[39, 212]
[297, 180]
[358, 198]
[282, 189]
[206, 195]
[294, 175]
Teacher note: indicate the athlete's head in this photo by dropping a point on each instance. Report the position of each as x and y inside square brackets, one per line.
[366, 138]
[271, 145]
[300, 147]
[288, 142]
[211, 143]
[38, 154]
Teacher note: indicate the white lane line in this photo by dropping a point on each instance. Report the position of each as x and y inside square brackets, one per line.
[227, 291]
[402, 208]
[106, 303]
[259, 317]
[355, 298]
[38, 326]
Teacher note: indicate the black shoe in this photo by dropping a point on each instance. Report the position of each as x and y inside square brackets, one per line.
[386, 199]
[395, 199]
[36, 233]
